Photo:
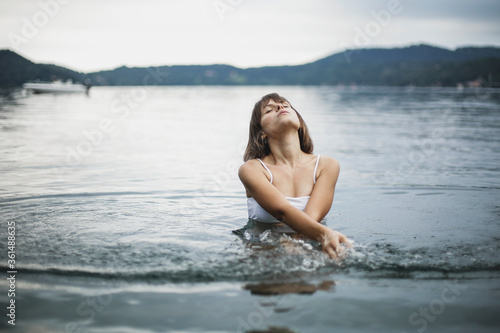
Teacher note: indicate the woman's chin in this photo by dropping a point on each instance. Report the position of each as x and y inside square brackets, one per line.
[288, 123]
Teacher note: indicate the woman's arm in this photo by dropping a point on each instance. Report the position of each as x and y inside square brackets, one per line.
[258, 186]
[321, 198]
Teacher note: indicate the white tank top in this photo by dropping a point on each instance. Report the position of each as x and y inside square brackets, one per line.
[257, 213]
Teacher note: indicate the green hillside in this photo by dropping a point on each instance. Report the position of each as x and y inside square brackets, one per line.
[16, 70]
[419, 65]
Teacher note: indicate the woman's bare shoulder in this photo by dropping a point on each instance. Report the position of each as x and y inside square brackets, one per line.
[249, 166]
[328, 161]
[328, 164]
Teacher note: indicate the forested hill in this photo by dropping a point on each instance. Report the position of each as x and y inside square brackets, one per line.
[419, 65]
[16, 70]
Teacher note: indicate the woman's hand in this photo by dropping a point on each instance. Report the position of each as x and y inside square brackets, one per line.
[331, 242]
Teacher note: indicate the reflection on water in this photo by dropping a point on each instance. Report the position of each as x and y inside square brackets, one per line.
[288, 288]
[273, 329]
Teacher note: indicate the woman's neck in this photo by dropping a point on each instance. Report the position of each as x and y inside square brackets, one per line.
[286, 148]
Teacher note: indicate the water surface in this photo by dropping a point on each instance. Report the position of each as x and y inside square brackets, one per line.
[124, 201]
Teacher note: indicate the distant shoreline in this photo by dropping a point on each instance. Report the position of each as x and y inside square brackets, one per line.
[417, 65]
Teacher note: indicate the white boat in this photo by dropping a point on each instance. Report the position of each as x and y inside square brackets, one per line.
[56, 87]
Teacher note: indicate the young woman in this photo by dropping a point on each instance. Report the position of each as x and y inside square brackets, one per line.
[284, 181]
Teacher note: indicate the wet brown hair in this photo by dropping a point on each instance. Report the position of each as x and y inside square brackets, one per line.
[258, 148]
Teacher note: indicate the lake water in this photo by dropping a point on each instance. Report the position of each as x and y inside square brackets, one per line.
[124, 202]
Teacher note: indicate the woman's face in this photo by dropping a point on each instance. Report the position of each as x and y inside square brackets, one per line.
[278, 116]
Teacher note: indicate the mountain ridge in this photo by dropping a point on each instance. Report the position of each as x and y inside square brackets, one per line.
[420, 65]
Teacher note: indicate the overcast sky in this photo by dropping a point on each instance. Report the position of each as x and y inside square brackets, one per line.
[91, 35]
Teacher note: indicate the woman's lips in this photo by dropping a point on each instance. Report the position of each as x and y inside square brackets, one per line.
[282, 112]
